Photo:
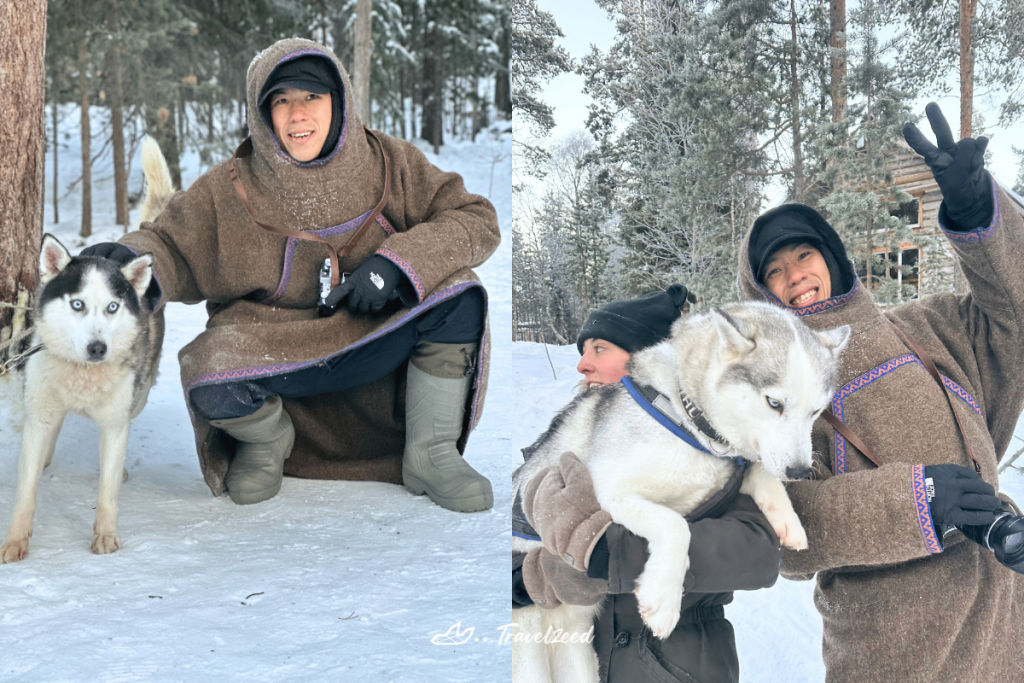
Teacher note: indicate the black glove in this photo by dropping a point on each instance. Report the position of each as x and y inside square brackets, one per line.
[371, 286]
[959, 496]
[111, 250]
[1004, 537]
[959, 169]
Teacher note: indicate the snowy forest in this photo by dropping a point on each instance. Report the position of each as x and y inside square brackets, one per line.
[703, 109]
[175, 69]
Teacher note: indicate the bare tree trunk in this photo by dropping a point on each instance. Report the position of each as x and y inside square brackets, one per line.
[56, 145]
[432, 129]
[967, 11]
[794, 94]
[83, 91]
[361, 65]
[113, 72]
[22, 165]
[837, 21]
[503, 84]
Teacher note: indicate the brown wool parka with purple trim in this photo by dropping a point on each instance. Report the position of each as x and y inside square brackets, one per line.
[896, 606]
[261, 289]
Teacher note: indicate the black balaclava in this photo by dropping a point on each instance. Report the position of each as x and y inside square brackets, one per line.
[635, 324]
[792, 223]
[315, 75]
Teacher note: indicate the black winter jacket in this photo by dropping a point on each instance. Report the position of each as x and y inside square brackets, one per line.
[732, 547]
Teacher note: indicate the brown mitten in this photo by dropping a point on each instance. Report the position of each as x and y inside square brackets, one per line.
[560, 503]
[551, 582]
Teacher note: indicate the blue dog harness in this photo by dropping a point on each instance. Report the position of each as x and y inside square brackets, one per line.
[646, 397]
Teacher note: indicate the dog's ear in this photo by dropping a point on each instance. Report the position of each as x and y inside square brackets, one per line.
[835, 339]
[53, 258]
[139, 273]
[735, 335]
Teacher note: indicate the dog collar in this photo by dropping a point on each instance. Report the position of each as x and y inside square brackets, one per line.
[661, 409]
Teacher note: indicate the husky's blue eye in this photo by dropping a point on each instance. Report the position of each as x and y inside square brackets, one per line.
[774, 404]
[112, 307]
[77, 304]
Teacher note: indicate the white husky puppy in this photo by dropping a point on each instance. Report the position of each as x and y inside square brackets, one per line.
[101, 351]
[747, 379]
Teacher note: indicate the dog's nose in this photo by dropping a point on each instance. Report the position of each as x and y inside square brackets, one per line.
[96, 350]
[798, 472]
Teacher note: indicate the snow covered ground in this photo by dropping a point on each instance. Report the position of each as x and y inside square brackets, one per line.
[328, 581]
[778, 630]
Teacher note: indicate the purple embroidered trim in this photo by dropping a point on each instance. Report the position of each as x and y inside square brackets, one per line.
[831, 302]
[924, 515]
[344, 112]
[341, 229]
[286, 272]
[406, 268]
[267, 370]
[481, 361]
[978, 234]
[869, 377]
[963, 394]
[289, 252]
[852, 386]
[385, 225]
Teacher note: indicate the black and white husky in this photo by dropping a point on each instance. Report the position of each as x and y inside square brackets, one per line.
[101, 351]
[749, 380]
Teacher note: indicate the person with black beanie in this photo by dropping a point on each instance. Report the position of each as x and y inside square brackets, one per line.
[314, 214]
[732, 544]
[616, 330]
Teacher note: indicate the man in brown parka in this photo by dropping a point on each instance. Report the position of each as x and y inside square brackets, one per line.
[903, 597]
[270, 384]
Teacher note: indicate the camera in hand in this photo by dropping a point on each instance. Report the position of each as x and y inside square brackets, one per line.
[1004, 537]
[323, 308]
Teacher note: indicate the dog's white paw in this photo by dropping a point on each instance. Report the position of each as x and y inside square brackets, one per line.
[787, 527]
[14, 551]
[659, 599]
[105, 543]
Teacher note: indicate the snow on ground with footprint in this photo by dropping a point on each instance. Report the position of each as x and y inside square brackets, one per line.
[329, 581]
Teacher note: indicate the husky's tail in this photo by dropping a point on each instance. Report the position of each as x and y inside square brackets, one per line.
[159, 187]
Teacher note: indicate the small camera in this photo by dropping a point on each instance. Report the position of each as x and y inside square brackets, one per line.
[322, 307]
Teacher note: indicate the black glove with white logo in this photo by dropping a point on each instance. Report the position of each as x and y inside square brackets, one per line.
[958, 496]
[110, 250]
[959, 169]
[369, 288]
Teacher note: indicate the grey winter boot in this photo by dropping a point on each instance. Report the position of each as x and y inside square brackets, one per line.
[439, 379]
[265, 441]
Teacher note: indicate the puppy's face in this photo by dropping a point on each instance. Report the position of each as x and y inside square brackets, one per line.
[90, 310]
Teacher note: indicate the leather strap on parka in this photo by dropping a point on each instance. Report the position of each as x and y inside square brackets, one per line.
[926, 360]
[245, 149]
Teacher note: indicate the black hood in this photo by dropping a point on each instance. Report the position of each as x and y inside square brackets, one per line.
[791, 223]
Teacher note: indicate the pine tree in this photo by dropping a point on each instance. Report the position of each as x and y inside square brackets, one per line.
[864, 199]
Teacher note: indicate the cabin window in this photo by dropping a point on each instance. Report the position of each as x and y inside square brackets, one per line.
[910, 212]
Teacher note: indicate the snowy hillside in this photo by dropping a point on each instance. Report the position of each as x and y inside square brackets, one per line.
[328, 581]
[778, 630]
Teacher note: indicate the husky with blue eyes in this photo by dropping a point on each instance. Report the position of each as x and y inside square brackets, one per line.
[100, 350]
